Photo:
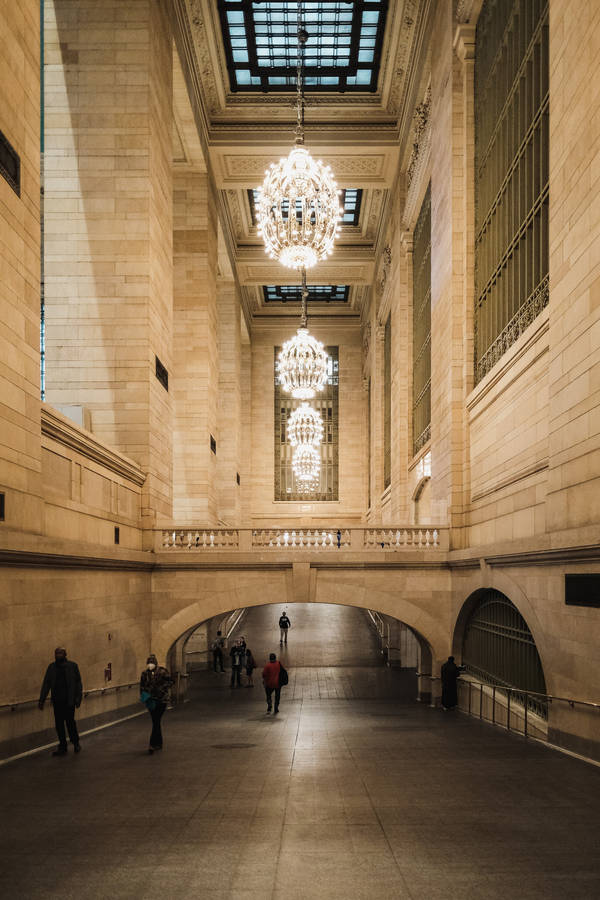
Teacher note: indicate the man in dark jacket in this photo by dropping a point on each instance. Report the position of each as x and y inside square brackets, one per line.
[63, 680]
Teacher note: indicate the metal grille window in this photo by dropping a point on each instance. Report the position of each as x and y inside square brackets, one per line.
[343, 52]
[387, 403]
[511, 174]
[422, 326]
[498, 647]
[327, 403]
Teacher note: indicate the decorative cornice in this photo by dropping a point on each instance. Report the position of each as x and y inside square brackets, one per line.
[32, 558]
[419, 163]
[62, 430]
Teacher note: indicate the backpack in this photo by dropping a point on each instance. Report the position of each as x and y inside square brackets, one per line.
[283, 676]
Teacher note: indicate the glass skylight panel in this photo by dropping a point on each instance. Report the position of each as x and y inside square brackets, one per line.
[342, 52]
[321, 293]
[350, 200]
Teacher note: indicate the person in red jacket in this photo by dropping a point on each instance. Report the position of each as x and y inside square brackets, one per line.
[270, 675]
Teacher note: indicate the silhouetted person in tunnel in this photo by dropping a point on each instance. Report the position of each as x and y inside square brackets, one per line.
[63, 680]
[238, 659]
[449, 674]
[217, 652]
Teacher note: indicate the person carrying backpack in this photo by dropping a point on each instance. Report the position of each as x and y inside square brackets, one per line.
[274, 677]
[284, 625]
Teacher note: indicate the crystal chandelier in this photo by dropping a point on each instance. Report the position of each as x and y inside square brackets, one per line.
[298, 211]
[302, 363]
[306, 465]
[305, 426]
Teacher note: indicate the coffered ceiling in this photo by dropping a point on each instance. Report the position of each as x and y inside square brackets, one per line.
[364, 134]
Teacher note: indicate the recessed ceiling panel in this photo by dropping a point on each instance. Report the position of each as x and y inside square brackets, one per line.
[342, 52]
[321, 293]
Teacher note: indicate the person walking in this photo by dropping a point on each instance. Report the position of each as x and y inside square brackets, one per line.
[250, 667]
[217, 652]
[449, 675]
[238, 658]
[63, 681]
[155, 683]
[271, 675]
[284, 626]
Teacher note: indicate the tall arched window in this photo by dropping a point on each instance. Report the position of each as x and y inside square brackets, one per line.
[511, 174]
[498, 647]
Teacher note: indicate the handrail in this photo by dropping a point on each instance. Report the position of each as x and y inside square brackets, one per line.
[19, 704]
[515, 690]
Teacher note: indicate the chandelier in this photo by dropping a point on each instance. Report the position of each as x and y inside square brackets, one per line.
[302, 363]
[306, 465]
[305, 426]
[298, 212]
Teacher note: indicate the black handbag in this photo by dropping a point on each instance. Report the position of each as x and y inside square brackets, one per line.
[283, 676]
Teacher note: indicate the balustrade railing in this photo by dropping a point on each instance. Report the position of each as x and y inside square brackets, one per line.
[317, 539]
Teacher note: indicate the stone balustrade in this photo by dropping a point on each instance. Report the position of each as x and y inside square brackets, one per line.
[318, 539]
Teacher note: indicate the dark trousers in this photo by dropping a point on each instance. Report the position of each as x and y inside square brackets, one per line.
[65, 715]
[268, 692]
[217, 659]
[156, 715]
[236, 672]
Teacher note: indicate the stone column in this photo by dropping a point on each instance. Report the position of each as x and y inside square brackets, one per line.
[195, 351]
[108, 226]
[574, 314]
[401, 380]
[230, 403]
[377, 417]
[20, 442]
[450, 357]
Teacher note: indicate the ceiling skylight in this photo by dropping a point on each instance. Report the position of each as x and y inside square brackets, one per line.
[342, 52]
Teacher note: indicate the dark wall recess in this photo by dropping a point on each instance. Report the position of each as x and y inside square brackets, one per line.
[237, 477]
[582, 590]
[162, 374]
[10, 165]
[213, 444]
[1, 507]
[117, 534]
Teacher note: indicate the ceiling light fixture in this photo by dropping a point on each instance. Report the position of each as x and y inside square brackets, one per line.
[306, 465]
[305, 426]
[298, 211]
[302, 363]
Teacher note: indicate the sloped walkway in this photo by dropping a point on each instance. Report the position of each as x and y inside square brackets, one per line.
[365, 795]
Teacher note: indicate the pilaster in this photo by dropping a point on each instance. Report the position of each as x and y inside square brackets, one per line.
[230, 403]
[195, 351]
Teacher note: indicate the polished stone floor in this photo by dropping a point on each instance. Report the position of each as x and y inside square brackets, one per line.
[361, 793]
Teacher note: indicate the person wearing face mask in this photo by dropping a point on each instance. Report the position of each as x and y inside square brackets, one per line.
[154, 690]
[63, 681]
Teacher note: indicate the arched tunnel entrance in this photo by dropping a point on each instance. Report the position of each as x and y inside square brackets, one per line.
[330, 651]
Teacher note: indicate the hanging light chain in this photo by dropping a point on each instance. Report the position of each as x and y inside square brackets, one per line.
[302, 37]
[303, 313]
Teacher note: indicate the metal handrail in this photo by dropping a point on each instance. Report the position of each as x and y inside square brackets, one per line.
[19, 704]
[570, 700]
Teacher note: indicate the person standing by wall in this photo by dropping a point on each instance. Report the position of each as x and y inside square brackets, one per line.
[284, 626]
[449, 674]
[155, 683]
[63, 681]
